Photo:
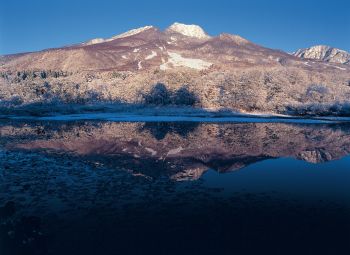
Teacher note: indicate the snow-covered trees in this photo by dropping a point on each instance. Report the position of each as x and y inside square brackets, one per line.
[278, 90]
[160, 95]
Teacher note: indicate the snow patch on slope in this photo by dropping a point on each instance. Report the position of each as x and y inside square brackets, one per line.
[126, 34]
[337, 67]
[176, 60]
[94, 41]
[188, 30]
[131, 32]
[152, 55]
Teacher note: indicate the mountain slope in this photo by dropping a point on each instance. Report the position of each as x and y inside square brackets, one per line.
[130, 51]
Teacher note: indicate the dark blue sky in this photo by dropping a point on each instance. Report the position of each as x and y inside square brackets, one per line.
[287, 25]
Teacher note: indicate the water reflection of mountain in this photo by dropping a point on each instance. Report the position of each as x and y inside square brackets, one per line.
[160, 129]
[182, 151]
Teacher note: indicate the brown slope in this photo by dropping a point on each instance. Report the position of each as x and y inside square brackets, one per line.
[101, 56]
[126, 53]
[151, 48]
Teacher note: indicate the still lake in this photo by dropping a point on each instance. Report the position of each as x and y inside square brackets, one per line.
[107, 187]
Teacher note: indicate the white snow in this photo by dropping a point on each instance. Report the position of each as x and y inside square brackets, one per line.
[94, 41]
[173, 40]
[340, 68]
[126, 34]
[176, 60]
[125, 57]
[325, 53]
[152, 55]
[136, 50]
[188, 30]
[334, 66]
[132, 32]
[139, 65]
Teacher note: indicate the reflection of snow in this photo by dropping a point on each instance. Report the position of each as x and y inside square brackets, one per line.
[175, 151]
[153, 152]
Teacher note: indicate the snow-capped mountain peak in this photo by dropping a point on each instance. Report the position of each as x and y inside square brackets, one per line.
[324, 53]
[188, 30]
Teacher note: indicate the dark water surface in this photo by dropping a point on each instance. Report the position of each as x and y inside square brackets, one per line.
[90, 187]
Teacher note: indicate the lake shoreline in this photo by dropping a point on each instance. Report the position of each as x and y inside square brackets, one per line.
[180, 115]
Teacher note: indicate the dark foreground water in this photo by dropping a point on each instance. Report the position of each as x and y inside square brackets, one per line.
[174, 188]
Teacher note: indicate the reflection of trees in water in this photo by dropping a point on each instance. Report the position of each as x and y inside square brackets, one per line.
[160, 129]
[144, 147]
[343, 127]
[53, 126]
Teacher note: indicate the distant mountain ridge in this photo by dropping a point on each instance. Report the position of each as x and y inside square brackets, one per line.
[324, 53]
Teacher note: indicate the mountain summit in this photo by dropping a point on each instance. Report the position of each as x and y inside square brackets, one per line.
[188, 30]
[193, 31]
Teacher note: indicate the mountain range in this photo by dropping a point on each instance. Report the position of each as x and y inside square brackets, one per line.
[224, 71]
[324, 53]
[179, 45]
[183, 151]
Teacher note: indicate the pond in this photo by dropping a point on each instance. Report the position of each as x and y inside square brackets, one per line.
[107, 187]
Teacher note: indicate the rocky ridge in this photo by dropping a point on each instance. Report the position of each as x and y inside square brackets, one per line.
[324, 53]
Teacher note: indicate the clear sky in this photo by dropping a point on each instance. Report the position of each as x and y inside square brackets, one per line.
[281, 24]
